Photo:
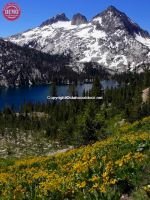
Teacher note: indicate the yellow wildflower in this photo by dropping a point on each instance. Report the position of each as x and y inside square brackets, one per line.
[119, 163]
[95, 186]
[103, 188]
[94, 178]
[81, 185]
[113, 181]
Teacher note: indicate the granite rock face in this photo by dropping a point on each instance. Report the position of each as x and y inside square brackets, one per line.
[21, 66]
[113, 20]
[79, 19]
[60, 17]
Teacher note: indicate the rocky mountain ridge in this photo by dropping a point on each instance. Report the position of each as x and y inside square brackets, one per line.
[110, 39]
[20, 66]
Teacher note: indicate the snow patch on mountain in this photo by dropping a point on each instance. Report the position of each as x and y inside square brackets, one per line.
[98, 19]
[143, 40]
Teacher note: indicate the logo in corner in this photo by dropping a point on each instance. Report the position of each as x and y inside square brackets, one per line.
[11, 11]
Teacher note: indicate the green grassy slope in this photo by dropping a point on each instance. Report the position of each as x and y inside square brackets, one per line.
[105, 170]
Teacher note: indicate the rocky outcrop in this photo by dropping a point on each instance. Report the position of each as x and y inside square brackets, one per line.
[146, 95]
[79, 19]
[113, 19]
[60, 17]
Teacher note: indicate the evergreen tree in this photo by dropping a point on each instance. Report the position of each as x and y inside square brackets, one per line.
[54, 90]
[72, 90]
[96, 88]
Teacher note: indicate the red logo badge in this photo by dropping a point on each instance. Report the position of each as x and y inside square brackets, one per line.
[11, 11]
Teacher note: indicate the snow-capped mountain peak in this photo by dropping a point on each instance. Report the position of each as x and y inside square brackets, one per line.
[79, 19]
[111, 39]
[112, 19]
[58, 18]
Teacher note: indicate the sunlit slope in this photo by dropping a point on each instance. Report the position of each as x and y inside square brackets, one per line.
[105, 170]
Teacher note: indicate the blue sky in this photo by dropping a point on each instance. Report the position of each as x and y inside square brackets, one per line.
[36, 11]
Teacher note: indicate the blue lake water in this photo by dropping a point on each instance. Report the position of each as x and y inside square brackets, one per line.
[38, 94]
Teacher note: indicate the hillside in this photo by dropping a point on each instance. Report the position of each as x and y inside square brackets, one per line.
[24, 66]
[108, 169]
[21, 66]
